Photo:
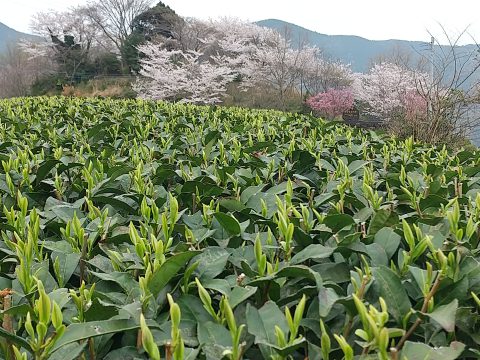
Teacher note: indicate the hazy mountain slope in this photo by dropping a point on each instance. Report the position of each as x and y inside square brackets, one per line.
[9, 35]
[354, 50]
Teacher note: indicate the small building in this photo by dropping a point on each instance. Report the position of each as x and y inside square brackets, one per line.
[354, 117]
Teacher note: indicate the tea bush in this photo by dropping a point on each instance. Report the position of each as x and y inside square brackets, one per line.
[134, 229]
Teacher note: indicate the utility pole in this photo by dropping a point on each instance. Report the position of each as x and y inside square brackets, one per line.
[432, 44]
[430, 108]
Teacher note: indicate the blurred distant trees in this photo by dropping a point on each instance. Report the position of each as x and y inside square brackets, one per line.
[76, 46]
[115, 18]
[100, 38]
[18, 72]
[432, 96]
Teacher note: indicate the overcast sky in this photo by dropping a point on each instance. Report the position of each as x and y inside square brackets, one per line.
[372, 19]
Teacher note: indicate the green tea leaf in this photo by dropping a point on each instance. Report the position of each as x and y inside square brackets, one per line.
[391, 289]
[419, 351]
[445, 315]
[168, 270]
[229, 223]
[312, 252]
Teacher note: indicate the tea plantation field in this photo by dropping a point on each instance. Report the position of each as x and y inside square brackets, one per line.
[136, 230]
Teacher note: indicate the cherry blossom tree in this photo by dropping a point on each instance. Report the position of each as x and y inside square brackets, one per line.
[392, 93]
[201, 61]
[435, 97]
[384, 88]
[278, 66]
[240, 42]
[73, 22]
[263, 56]
[331, 103]
[248, 54]
[320, 74]
[71, 41]
[411, 118]
[182, 75]
[415, 105]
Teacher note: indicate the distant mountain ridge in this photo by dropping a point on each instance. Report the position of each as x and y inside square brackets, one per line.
[350, 49]
[11, 36]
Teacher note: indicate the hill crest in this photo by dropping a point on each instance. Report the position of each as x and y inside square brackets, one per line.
[11, 36]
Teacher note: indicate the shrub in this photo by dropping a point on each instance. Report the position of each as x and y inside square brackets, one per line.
[331, 103]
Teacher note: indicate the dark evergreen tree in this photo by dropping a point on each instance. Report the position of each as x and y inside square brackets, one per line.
[155, 23]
